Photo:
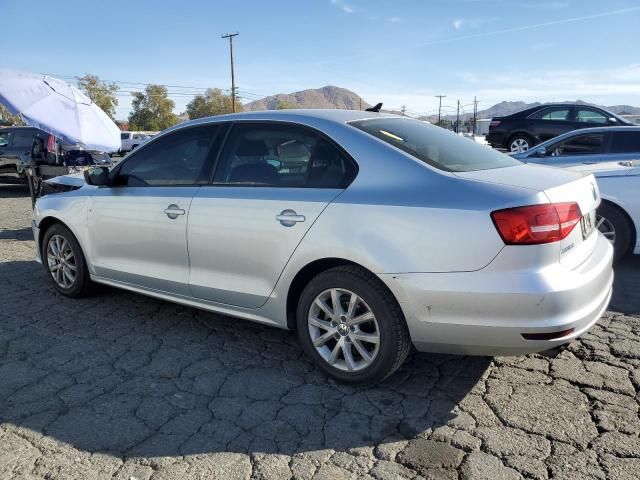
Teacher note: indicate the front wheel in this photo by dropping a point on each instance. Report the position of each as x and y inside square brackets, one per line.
[65, 262]
[351, 326]
[615, 227]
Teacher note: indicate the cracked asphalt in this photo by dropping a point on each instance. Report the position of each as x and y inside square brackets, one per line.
[127, 387]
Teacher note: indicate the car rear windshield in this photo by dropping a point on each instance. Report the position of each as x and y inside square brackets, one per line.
[434, 145]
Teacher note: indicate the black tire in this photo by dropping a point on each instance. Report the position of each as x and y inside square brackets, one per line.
[81, 286]
[395, 342]
[622, 228]
[520, 136]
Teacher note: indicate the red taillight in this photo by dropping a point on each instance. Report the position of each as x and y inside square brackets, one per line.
[494, 123]
[535, 224]
[51, 144]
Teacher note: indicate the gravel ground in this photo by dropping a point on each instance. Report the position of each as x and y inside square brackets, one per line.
[123, 386]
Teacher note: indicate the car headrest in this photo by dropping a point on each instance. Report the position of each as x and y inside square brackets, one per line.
[252, 148]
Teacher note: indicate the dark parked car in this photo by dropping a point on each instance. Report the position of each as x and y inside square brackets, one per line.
[522, 130]
[21, 145]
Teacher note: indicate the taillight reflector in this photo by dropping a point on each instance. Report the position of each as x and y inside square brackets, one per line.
[548, 336]
[51, 144]
[494, 123]
[536, 224]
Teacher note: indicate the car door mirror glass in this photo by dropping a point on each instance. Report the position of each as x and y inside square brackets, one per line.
[97, 176]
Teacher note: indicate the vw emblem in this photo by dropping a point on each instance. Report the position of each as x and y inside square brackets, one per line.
[594, 192]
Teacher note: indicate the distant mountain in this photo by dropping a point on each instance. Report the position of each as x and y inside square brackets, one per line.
[325, 97]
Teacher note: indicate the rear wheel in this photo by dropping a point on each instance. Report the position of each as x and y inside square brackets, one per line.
[65, 262]
[520, 143]
[351, 326]
[615, 227]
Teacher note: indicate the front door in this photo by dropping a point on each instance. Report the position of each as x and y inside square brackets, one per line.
[138, 226]
[272, 182]
[578, 149]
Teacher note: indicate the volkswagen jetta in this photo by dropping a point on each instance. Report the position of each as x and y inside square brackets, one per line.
[365, 232]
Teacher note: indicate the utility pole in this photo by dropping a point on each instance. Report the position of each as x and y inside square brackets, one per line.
[475, 113]
[233, 75]
[403, 110]
[458, 118]
[440, 97]
[360, 103]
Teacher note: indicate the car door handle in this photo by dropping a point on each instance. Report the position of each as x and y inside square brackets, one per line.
[173, 210]
[288, 218]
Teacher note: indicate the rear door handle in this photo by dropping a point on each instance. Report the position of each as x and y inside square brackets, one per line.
[288, 218]
[173, 210]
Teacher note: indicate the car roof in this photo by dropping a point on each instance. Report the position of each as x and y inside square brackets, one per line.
[293, 115]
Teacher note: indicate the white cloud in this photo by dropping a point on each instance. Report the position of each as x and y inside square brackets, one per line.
[343, 6]
[458, 23]
[396, 20]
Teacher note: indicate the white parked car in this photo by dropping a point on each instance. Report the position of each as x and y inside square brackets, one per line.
[132, 140]
[618, 216]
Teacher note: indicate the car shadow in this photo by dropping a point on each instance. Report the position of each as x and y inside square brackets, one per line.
[626, 286]
[13, 188]
[128, 375]
[19, 234]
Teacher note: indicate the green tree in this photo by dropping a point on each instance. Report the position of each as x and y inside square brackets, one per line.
[213, 102]
[152, 110]
[7, 119]
[284, 105]
[101, 93]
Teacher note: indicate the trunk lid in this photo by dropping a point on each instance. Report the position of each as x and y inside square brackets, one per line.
[559, 186]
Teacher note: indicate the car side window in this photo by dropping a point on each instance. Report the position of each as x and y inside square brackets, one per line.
[178, 158]
[625, 142]
[124, 136]
[5, 138]
[553, 113]
[280, 155]
[579, 145]
[24, 138]
[588, 115]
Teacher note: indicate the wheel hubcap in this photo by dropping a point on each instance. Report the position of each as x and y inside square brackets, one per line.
[519, 145]
[61, 261]
[344, 330]
[606, 228]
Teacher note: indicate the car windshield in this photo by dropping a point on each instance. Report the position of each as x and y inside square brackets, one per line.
[433, 145]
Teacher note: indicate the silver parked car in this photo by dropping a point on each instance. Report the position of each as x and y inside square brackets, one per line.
[586, 146]
[366, 233]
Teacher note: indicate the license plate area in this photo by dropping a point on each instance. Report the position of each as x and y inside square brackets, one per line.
[588, 224]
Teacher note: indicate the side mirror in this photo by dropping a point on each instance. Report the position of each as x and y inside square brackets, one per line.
[540, 152]
[97, 176]
[3, 143]
[613, 120]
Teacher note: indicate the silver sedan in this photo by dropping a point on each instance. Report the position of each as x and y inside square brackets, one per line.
[366, 233]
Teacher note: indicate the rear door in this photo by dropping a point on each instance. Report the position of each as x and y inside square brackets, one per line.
[271, 183]
[550, 122]
[138, 226]
[624, 145]
[586, 117]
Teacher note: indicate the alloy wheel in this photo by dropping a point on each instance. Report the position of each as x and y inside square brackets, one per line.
[606, 228]
[519, 145]
[344, 330]
[61, 261]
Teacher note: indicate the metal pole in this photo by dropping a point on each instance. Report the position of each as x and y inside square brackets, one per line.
[458, 118]
[440, 97]
[233, 76]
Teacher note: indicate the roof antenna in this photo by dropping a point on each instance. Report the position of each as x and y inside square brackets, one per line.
[374, 109]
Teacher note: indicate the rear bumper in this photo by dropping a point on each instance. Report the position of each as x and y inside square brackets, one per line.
[487, 312]
[497, 139]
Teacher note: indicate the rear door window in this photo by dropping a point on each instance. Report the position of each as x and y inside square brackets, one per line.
[434, 145]
[625, 142]
[551, 113]
[281, 155]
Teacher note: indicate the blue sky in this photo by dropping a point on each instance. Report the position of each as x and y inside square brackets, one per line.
[399, 52]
